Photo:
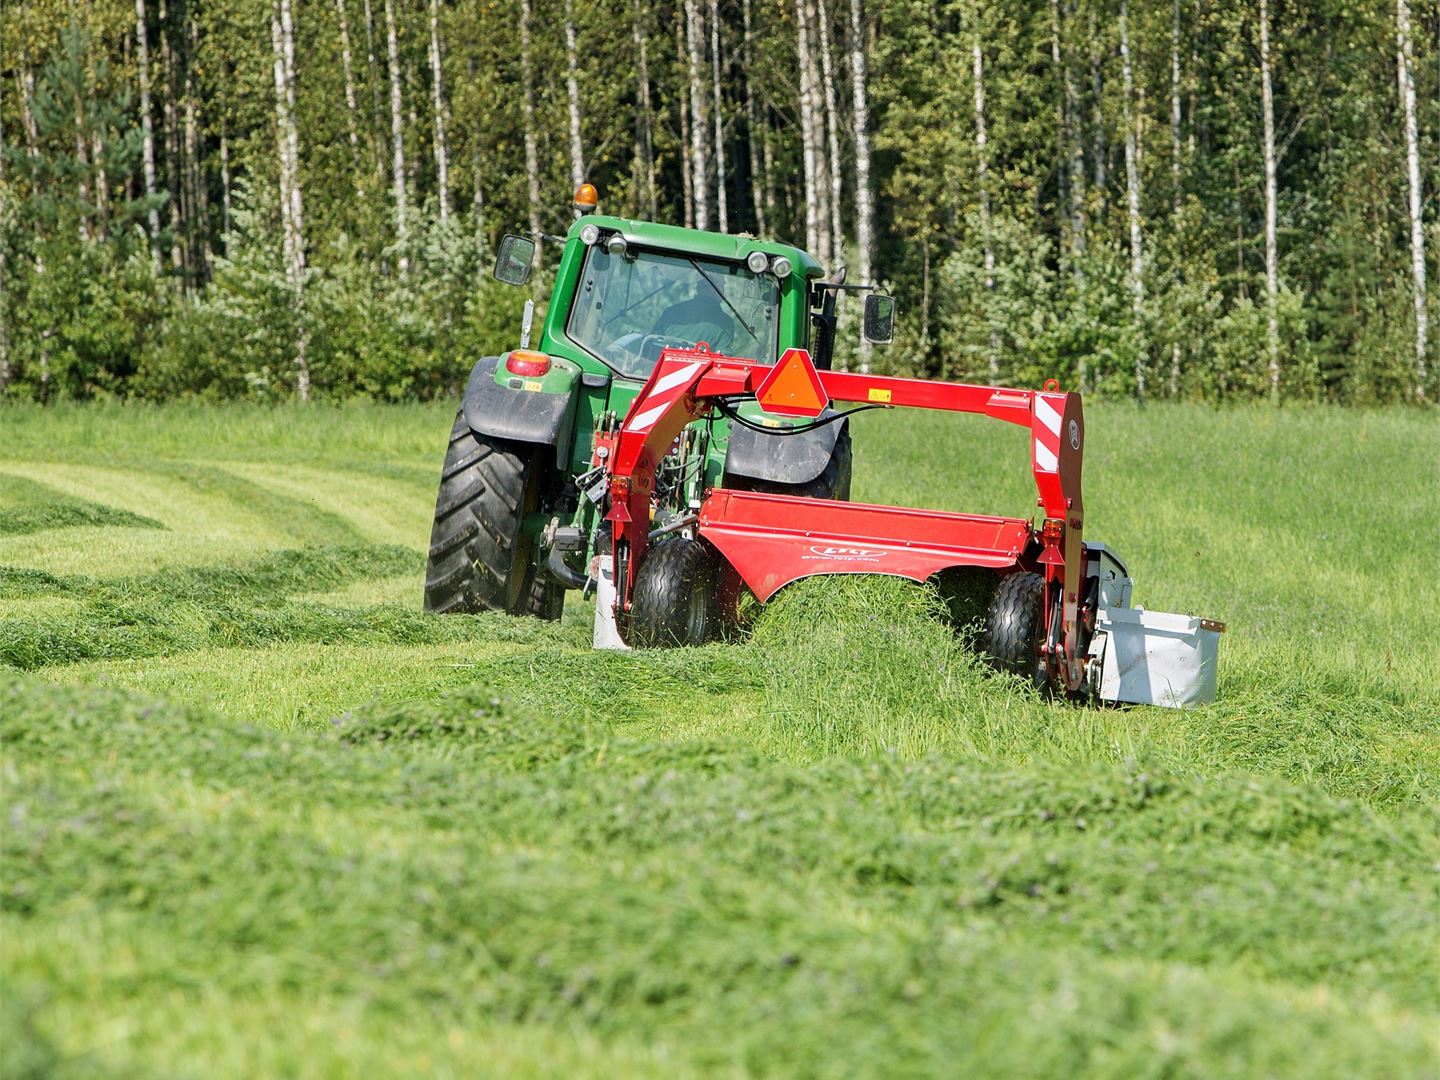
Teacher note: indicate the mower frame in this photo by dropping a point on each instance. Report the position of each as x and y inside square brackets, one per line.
[768, 541]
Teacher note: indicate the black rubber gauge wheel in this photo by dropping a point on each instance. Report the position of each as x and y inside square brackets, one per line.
[1015, 628]
[676, 598]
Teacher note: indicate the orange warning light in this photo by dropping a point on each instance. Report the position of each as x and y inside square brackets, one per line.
[793, 387]
[586, 198]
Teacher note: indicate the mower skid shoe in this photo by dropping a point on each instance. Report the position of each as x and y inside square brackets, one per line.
[607, 634]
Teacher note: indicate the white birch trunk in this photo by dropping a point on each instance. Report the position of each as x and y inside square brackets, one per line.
[572, 91]
[816, 214]
[1405, 73]
[348, 69]
[282, 37]
[645, 128]
[224, 183]
[377, 123]
[864, 205]
[437, 85]
[1272, 272]
[527, 110]
[722, 209]
[982, 179]
[695, 59]
[687, 180]
[752, 120]
[1132, 189]
[1175, 193]
[1099, 150]
[832, 129]
[397, 137]
[147, 128]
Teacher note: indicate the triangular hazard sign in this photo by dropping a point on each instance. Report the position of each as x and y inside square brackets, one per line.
[793, 387]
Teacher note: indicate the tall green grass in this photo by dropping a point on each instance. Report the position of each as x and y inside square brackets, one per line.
[262, 816]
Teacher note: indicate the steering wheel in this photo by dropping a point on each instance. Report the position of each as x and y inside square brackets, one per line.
[652, 345]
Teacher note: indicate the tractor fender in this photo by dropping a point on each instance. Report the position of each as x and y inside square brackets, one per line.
[540, 412]
[783, 459]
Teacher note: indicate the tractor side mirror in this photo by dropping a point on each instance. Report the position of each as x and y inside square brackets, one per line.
[512, 264]
[879, 324]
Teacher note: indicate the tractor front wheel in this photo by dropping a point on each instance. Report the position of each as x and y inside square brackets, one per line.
[480, 558]
[676, 598]
[1015, 628]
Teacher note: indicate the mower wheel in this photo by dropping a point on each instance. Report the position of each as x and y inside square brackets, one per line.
[1015, 627]
[480, 558]
[676, 598]
[833, 483]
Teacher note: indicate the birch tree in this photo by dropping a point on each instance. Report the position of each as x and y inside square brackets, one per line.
[527, 113]
[752, 120]
[572, 93]
[718, 105]
[982, 181]
[816, 213]
[147, 128]
[347, 69]
[1405, 73]
[437, 84]
[282, 39]
[1175, 194]
[1132, 189]
[864, 204]
[832, 128]
[645, 115]
[377, 122]
[695, 61]
[397, 137]
[1272, 273]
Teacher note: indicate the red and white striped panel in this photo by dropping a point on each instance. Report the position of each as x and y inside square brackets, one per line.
[1049, 410]
[667, 390]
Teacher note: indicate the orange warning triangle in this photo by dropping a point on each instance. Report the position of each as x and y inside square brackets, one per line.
[793, 387]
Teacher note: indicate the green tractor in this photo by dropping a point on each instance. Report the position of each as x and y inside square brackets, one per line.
[518, 517]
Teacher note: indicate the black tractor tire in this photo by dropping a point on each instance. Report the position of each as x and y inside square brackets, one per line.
[546, 601]
[833, 483]
[676, 598]
[1015, 628]
[480, 558]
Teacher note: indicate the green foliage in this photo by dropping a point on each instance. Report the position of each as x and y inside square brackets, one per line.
[93, 306]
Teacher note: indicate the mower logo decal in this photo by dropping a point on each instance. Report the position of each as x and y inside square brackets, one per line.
[845, 554]
[1074, 435]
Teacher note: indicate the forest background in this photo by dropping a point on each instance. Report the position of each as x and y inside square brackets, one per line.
[268, 199]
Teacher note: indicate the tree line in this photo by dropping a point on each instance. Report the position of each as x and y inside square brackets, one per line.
[1153, 198]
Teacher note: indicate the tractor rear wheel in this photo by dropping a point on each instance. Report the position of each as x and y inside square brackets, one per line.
[480, 558]
[676, 598]
[1015, 628]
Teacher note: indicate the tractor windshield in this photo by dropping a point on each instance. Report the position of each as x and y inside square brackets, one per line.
[630, 307]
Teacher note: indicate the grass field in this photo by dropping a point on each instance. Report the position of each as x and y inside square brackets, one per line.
[262, 816]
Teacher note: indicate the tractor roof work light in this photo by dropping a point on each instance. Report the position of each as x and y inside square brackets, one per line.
[781, 267]
[590, 234]
[586, 199]
[758, 262]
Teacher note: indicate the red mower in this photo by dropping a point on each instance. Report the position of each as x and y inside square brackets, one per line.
[1058, 612]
